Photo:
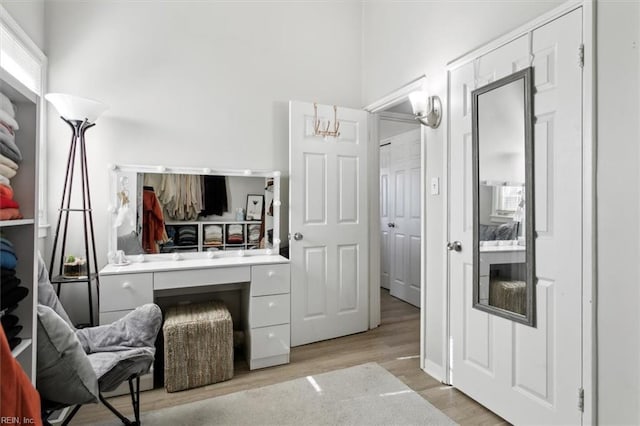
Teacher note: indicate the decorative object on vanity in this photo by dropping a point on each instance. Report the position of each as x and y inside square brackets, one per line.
[503, 242]
[427, 109]
[319, 129]
[254, 207]
[80, 114]
[222, 225]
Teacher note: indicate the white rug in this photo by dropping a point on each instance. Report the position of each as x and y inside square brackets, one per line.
[363, 395]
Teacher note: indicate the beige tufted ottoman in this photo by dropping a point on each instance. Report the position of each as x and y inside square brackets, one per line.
[198, 345]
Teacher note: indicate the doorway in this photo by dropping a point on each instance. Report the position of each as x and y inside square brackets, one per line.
[399, 140]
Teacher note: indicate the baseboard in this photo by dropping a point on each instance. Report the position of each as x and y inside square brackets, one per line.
[269, 361]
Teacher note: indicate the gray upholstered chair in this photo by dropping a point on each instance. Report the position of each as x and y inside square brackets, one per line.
[76, 366]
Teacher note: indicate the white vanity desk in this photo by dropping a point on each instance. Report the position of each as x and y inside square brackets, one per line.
[263, 279]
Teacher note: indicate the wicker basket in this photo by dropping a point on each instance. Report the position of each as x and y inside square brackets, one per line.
[198, 345]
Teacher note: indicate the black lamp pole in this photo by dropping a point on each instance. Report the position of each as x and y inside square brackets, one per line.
[78, 129]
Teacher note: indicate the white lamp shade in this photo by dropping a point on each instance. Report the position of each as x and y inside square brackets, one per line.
[75, 108]
[419, 101]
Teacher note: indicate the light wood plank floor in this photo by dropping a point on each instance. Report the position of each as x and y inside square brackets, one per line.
[394, 345]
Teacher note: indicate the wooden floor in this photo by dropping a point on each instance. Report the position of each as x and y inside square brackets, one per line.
[395, 345]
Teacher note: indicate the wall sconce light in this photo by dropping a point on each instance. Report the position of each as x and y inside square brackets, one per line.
[427, 109]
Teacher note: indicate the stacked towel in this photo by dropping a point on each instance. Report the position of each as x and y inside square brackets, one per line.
[10, 156]
[186, 236]
[234, 234]
[253, 234]
[12, 292]
[213, 235]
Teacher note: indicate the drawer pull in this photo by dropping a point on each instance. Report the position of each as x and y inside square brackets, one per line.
[271, 274]
[271, 335]
[126, 284]
[272, 304]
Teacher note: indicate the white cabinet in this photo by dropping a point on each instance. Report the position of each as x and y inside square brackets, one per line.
[269, 311]
[263, 281]
[23, 233]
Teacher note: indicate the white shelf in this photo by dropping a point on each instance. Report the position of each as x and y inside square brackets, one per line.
[16, 222]
[24, 345]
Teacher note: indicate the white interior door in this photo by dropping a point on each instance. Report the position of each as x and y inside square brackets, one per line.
[386, 195]
[404, 233]
[328, 222]
[527, 375]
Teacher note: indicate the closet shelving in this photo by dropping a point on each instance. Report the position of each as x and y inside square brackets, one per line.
[23, 233]
[200, 230]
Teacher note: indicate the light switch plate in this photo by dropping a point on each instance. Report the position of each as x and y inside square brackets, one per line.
[435, 186]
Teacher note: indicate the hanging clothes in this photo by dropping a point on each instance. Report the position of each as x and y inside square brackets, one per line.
[215, 195]
[153, 222]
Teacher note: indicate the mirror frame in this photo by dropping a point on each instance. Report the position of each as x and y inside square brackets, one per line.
[115, 171]
[526, 75]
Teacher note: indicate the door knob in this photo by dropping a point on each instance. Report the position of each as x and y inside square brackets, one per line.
[454, 246]
[297, 236]
[391, 225]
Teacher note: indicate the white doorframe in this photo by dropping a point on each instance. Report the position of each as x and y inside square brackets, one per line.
[392, 99]
[589, 249]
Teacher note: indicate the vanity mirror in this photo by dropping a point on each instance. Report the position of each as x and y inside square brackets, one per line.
[503, 238]
[192, 212]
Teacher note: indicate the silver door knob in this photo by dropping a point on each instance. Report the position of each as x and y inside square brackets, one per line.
[391, 225]
[454, 246]
[297, 236]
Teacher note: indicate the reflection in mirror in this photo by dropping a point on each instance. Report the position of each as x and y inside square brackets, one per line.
[503, 209]
[182, 210]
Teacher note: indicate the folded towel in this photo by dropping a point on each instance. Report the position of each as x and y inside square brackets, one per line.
[5, 117]
[8, 203]
[6, 274]
[10, 214]
[8, 147]
[6, 105]
[7, 171]
[4, 180]
[8, 162]
[8, 260]
[8, 321]
[6, 191]
[13, 297]
[8, 285]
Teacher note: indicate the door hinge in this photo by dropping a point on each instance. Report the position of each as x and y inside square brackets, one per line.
[581, 56]
[581, 400]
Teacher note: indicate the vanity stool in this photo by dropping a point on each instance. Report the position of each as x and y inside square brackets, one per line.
[508, 295]
[198, 345]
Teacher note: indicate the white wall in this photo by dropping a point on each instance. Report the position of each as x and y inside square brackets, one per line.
[29, 14]
[403, 41]
[618, 212]
[194, 83]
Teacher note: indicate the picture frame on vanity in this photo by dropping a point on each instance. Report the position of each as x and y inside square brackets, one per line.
[255, 204]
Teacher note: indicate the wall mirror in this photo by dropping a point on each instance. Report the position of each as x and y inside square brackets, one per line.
[503, 238]
[182, 212]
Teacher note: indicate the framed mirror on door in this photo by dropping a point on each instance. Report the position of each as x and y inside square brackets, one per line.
[503, 238]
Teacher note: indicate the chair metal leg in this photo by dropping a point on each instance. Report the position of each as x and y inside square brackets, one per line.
[111, 408]
[135, 397]
[70, 416]
[135, 402]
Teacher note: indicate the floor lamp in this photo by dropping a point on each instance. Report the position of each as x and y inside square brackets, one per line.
[80, 114]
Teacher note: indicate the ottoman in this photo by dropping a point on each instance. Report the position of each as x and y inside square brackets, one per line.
[198, 345]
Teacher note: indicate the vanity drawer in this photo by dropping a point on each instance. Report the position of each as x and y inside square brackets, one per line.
[269, 341]
[127, 291]
[269, 310]
[200, 277]
[270, 279]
